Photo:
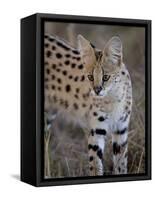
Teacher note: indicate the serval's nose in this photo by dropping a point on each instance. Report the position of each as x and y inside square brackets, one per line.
[97, 89]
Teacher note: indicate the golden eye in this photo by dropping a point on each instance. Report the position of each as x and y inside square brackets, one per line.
[90, 77]
[106, 77]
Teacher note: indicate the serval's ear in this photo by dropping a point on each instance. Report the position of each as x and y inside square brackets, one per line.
[113, 51]
[87, 52]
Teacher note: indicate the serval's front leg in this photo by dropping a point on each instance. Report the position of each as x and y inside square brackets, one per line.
[96, 149]
[120, 151]
[96, 143]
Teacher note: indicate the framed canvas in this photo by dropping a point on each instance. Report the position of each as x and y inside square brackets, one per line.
[85, 99]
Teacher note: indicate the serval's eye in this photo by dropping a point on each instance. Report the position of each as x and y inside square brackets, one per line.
[90, 77]
[106, 77]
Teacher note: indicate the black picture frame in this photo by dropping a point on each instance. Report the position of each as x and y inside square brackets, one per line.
[32, 99]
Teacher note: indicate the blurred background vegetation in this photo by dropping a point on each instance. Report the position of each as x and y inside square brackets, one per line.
[66, 144]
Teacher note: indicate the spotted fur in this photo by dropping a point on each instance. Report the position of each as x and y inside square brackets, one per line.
[94, 86]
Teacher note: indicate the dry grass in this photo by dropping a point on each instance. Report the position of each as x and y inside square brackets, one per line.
[66, 144]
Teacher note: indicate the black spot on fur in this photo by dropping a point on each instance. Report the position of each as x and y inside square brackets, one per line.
[64, 72]
[63, 46]
[75, 52]
[53, 87]
[91, 158]
[100, 131]
[121, 132]
[76, 78]
[77, 90]
[51, 39]
[73, 65]
[67, 62]
[116, 148]
[126, 107]
[46, 63]
[53, 77]
[53, 48]
[59, 80]
[93, 147]
[85, 97]
[70, 77]
[58, 55]
[123, 72]
[101, 119]
[90, 146]
[128, 102]
[68, 88]
[58, 70]
[68, 55]
[80, 66]
[46, 36]
[84, 105]
[46, 45]
[82, 78]
[48, 53]
[59, 88]
[76, 96]
[47, 71]
[54, 66]
[92, 132]
[78, 58]
[75, 106]
[91, 168]
[95, 113]
[99, 154]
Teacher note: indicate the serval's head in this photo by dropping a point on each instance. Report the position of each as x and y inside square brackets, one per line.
[101, 66]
